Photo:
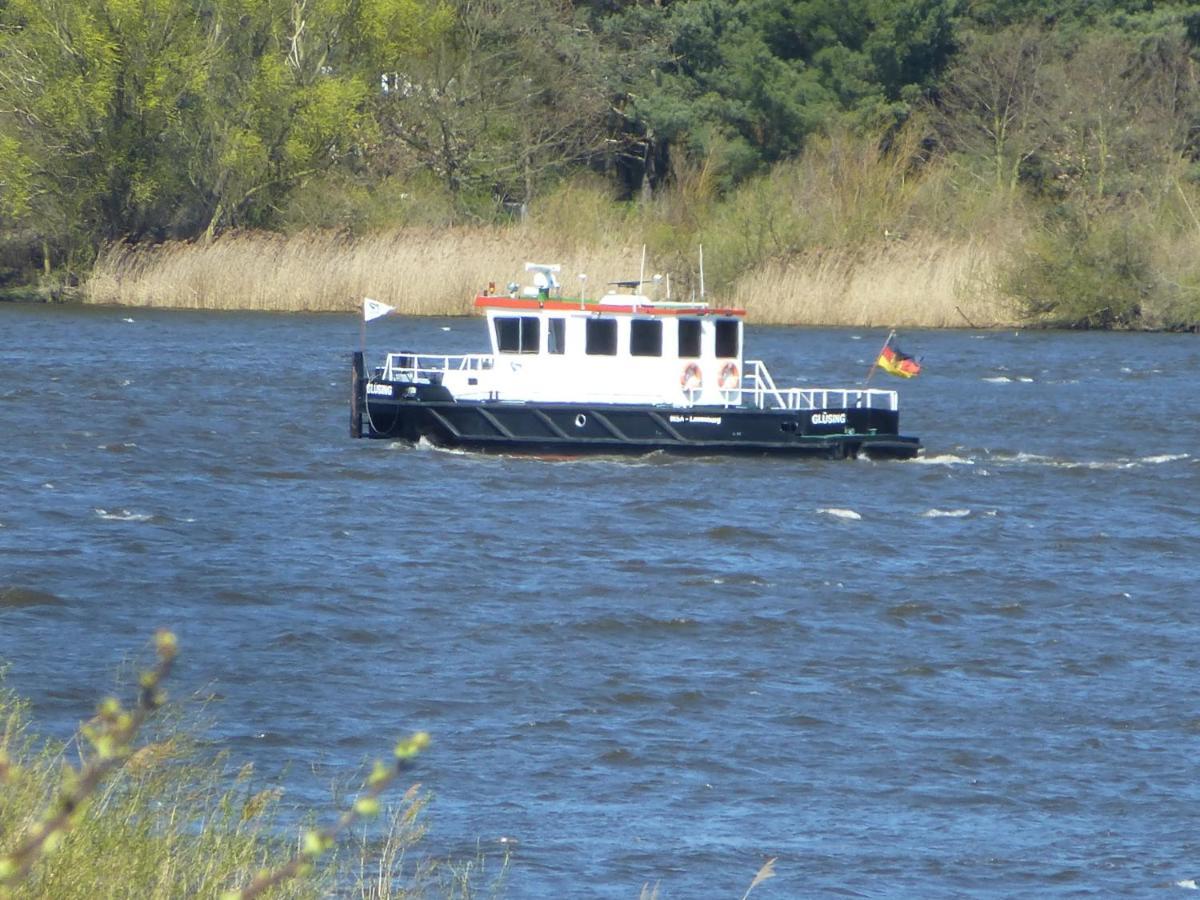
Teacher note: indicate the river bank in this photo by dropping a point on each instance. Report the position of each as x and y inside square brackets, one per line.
[437, 272]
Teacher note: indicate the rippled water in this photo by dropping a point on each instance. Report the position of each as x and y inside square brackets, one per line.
[973, 674]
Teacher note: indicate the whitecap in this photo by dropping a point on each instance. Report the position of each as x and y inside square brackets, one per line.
[127, 320]
[839, 513]
[1164, 458]
[998, 379]
[1025, 379]
[122, 515]
[1188, 884]
[946, 513]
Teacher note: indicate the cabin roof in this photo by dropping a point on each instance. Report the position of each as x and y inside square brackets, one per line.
[610, 304]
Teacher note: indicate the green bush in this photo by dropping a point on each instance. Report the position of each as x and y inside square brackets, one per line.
[1077, 275]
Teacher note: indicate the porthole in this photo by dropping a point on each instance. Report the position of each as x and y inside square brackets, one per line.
[580, 420]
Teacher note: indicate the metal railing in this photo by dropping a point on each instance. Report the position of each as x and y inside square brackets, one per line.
[412, 366]
[764, 394]
[758, 388]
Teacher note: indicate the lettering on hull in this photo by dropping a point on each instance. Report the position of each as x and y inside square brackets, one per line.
[825, 418]
[700, 420]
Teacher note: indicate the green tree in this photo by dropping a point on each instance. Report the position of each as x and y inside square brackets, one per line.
[513, 96]
[132, 119]
[757, 77]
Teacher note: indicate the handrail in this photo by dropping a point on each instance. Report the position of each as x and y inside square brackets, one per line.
[413, 364]
[762, 394]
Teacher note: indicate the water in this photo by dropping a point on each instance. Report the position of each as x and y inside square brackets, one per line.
[974, 674]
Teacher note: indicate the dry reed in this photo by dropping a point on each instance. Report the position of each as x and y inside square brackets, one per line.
[419, 272]
[927, 281]
[923, 283]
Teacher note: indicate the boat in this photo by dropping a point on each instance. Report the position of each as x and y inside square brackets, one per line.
[624, 373]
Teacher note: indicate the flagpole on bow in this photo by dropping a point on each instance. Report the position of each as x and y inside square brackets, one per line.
[362, 333]
[875, 361]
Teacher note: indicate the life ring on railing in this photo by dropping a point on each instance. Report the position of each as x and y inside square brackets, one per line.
[730, 377]
[692, 379]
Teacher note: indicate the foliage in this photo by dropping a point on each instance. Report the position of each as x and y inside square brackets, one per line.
[1083, 275]
[145, 120]
[132, 120]
[764, 75]
[161, 816]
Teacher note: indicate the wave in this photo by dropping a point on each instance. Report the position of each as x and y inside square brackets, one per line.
[839, 513]
[1053, 462]
[944, 459]
[123, 515]
[945, 513]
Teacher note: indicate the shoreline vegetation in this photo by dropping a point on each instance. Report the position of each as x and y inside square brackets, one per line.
[426, 273]
[137, 799]
[919, 163]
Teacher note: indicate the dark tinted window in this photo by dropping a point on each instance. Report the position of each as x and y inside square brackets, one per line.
[689, 338]
[556, 335]
[601, 338]
[645, 337]
[517, 334]
[727, 337]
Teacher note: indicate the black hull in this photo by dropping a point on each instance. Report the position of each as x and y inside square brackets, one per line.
[575, 429]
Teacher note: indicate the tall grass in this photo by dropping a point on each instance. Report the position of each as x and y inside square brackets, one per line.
[927, 282]
[418, 271]
[169, 824]
[135, 806]
[848, 234]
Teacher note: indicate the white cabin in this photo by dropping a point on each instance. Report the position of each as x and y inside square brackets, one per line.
[622, 348]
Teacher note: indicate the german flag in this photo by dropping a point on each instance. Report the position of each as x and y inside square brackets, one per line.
[894, 362]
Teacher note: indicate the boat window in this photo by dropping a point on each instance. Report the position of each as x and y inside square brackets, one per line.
[727, 338]
[517, 334]
[645, 337]
[689, 338]
[556, 336]
[601, 337]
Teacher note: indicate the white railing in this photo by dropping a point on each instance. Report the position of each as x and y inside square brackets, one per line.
[411, 366]
[758, 391]
[763, 394]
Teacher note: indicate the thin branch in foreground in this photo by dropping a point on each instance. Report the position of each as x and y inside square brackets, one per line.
[317, 841]
[111, 735]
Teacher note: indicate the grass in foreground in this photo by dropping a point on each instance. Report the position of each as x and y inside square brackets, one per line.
[135, 806]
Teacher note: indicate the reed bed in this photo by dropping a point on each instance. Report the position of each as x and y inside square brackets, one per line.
[419, 272]
[926, 282]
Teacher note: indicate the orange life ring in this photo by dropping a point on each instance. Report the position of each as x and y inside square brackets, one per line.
[692, 378]
[729, 377]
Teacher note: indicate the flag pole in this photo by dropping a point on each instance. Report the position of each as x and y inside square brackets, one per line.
[875, 362]
[362, 332]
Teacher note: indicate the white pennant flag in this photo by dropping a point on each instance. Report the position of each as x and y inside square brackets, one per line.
[373, 309]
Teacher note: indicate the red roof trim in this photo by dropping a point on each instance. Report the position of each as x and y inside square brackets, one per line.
[491, 301]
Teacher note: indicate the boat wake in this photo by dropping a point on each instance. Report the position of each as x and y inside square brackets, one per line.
[943, 459]
[1035, 459]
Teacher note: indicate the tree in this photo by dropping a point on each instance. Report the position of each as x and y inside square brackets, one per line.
[514, 95]
[757, 77]
[993, 105]
[132, 119]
